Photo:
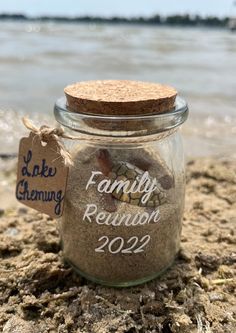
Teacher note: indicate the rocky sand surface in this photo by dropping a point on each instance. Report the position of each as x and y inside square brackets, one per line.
[39, 293]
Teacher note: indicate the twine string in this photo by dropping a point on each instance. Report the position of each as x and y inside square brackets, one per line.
[47, 133]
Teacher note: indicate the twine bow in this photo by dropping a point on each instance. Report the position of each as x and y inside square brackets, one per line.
[47, 133]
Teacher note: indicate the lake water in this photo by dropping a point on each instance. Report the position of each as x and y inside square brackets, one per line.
[38, 59]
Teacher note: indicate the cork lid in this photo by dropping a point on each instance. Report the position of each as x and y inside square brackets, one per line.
[120, 97]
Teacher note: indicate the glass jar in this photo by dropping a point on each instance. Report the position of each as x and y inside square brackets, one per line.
[125, 194]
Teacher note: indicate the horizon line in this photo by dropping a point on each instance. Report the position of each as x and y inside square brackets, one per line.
[190, 15]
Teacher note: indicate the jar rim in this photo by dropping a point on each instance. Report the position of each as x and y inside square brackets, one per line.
[111, 125]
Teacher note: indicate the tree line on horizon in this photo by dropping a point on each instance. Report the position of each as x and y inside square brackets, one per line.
[184, 20]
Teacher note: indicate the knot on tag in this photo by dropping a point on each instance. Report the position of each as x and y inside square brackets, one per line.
[46, 134]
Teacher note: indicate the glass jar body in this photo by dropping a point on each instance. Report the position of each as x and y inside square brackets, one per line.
[123, 208]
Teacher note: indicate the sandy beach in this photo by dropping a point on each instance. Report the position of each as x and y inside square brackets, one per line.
[39, 293]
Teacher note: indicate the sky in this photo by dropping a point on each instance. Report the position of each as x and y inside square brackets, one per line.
[118, 7]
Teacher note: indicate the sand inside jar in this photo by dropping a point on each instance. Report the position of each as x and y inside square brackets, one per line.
[156, 231]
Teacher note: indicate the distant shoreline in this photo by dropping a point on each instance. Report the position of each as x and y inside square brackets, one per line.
[174, 20]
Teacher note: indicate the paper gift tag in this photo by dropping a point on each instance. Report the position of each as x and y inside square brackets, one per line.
[41, 175]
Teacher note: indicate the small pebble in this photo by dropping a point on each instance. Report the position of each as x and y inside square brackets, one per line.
[166, 182]
[217, 297]
[224, 221]
[198, 205]
[12, 232]
[147, 295]
[22, 210]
